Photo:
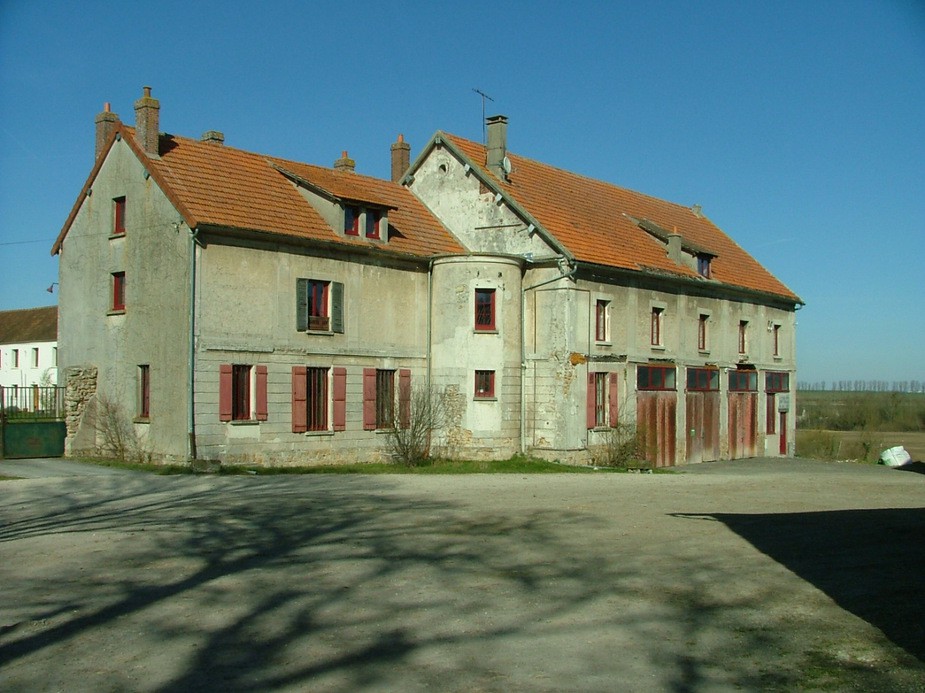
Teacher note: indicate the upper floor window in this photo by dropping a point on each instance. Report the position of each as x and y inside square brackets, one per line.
[484, 309]
[743, 336]
[602, 321]
[655, 378]
[702, 323]
[118, 291]
[702, 379]
[657, 326]
[118, 222]
[35, 357]
[319, 306]
[352, 220]
[15, 358]
[775, 339]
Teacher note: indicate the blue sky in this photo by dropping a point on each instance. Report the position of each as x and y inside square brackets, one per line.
[799, 126]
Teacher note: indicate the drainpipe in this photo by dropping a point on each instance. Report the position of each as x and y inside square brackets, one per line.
[191, 362]
[430, 311]
[563, 262]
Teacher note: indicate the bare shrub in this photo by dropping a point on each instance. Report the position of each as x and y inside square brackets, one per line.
[622, 447]
[410, 441]
[115, 434]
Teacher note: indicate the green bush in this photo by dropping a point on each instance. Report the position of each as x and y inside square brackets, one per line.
[820, 445]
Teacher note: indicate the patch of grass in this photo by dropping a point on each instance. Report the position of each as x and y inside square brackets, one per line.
[515, 465]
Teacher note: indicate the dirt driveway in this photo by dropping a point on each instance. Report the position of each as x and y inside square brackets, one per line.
[755, 575]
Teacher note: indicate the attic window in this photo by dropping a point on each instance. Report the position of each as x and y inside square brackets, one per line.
[703, 265]
[351, 220]
[373, 219]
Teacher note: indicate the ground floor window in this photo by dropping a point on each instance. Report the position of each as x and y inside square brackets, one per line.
[144, 391]
[242, 392]
[702, 379]
[602, 400]
[743, 381]
[484, 384]
[655, 378]
[775, 383]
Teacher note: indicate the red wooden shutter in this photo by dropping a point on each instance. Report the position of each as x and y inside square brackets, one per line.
[340, 399]
[224, 392]
[369, 399]
[404, 398]
[299, 397]
[590, 402]
[614, 407]
[262, 410]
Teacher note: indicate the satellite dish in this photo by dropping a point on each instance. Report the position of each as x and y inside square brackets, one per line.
[506, 165]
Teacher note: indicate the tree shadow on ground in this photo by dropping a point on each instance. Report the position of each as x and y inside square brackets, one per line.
[870, 562]
[351, 583]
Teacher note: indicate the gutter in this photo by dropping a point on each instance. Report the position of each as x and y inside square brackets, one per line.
[563, 262]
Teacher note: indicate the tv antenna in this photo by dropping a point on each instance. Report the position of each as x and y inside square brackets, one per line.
[484, 96]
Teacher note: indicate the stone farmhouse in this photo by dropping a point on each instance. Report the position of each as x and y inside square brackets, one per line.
[243, 307]
[28, 348]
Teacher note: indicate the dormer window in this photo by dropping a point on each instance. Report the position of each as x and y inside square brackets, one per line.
[373, 220]
[351, 220]
[703, 265]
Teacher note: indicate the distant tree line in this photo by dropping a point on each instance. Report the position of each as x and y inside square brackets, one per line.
[863, 386]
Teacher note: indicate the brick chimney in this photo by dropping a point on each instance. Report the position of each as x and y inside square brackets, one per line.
[497, 144]
[213, 137]
[106, 124]
[401, 158]
[345, 163]
[147, 123]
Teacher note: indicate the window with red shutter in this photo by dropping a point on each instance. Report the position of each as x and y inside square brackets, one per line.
[299, 399]
[340, 399]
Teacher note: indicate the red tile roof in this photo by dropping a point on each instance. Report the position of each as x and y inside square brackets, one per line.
[29, 325]
[598, 223]
[219, 186]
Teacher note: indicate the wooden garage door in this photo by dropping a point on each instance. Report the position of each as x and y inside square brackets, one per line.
[656, 426]
[743, 424]
[702, 426]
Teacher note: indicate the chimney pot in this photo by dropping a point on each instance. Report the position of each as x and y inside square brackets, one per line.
[401, 158]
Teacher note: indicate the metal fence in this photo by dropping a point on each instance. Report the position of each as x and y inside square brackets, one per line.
[32, 402]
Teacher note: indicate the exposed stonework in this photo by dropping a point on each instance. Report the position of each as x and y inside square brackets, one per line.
[80, 389]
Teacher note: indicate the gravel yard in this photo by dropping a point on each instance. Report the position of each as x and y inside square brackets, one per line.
[749, 575]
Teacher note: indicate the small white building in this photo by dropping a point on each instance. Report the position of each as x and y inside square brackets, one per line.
[28, 347]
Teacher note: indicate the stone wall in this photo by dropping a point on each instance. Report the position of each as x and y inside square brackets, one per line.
[80, 389]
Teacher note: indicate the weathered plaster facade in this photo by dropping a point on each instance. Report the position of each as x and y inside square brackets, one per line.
[269, 332]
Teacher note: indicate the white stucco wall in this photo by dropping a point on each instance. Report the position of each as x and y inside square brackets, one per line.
[28, 371]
